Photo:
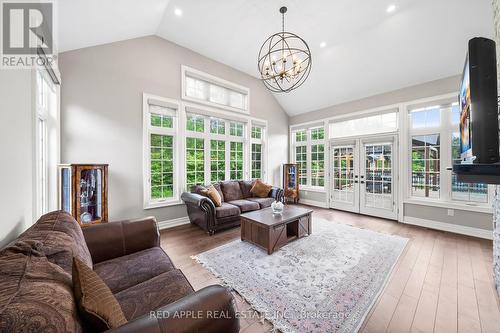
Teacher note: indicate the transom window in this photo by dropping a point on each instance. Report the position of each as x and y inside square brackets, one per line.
[372, 124]
[207, 89]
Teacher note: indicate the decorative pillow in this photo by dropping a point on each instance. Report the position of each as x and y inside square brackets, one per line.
[261, 189]
[98, 307]
[214, 195]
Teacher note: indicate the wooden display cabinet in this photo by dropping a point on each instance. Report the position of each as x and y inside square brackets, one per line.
[83, 192]
[291, 182]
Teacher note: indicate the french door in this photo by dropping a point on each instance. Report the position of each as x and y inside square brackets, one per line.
[363, 176]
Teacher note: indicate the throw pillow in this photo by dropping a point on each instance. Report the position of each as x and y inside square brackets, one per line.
[214, 195]
[98, 307]
[261, 189]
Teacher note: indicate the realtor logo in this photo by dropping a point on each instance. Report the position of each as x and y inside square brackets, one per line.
[27, 33]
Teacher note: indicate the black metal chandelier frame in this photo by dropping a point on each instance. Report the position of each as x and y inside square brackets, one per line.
[283, 80]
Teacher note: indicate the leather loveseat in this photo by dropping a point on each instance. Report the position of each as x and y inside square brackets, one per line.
[236, 199]
[36, 289]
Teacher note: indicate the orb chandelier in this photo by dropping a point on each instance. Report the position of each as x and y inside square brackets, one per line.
[284, 60]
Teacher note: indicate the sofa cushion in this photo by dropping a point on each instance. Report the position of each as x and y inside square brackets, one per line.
[60, 238]
[246, 186]
[261, 189]
[226, 210]
[263, 202]
[245, 205]
[231, 191]
[98, 306]
[152, 294]
[212, 193]
[201, 190]
[127, 271]
[35, 294]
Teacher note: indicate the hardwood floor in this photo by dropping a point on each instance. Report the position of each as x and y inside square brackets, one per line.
[442, 282]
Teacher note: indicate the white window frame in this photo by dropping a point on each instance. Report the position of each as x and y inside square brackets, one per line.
[180, 133]
[262, 142]
[216, 81]
[247, 121]
[148, 202]
[445, 131]
[308, 144]
[46, 146]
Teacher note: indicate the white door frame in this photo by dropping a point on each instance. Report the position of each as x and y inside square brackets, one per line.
[359, 170]
[379, 212]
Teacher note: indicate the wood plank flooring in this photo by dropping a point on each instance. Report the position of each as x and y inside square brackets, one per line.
[442, 282]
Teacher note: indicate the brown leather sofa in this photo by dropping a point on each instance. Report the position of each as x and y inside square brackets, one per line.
[36, 291]
[236, 199]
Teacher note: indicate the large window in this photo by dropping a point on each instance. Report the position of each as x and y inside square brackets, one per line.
[257, 155]
[194, 145]
[206, 89]
[309, 155]
[425, 166]
[160, 118]
[217, 160]
[215, 149]
[434, 146]
[46, 136]
[195, 161]
[318, 165]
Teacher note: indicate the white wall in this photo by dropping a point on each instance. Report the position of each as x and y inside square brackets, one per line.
[16, 147]
[101, 112]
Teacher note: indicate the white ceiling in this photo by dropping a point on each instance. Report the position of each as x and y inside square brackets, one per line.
[368, 50]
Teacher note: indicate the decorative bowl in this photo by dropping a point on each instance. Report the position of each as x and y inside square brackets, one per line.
[277, 207]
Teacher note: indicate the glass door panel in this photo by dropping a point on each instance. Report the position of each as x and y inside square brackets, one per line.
[377, 197]
[344, 178]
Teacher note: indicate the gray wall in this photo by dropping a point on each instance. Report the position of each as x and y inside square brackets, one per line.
[460, 217]
[429, 89]
[16, 145]
[101, 111]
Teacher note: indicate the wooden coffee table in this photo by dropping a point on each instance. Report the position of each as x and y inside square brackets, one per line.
[272, 231]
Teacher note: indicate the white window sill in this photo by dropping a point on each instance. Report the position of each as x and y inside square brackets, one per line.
[160, 204]
[312, 189]
[472, 207]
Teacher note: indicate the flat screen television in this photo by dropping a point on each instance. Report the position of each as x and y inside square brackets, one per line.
[479, 104]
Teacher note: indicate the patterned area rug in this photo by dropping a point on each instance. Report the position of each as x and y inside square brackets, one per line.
[326, 282]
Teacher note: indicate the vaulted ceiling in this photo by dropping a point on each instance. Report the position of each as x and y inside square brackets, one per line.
[358, 48]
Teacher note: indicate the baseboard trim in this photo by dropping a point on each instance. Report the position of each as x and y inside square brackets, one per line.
[173, 222]
[313, 203]
[458, 229]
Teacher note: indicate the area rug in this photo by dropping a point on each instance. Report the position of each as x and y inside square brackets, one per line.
[326, 282]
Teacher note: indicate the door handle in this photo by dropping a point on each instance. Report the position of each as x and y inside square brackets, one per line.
[355, 182]
[362, 182]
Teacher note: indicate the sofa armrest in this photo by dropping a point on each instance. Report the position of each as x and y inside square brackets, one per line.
[201, 210]
[115, 239]
[276, 193]
[195, 199]
[209, 310]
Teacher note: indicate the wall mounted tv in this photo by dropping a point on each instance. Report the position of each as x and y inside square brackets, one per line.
[479, 104]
